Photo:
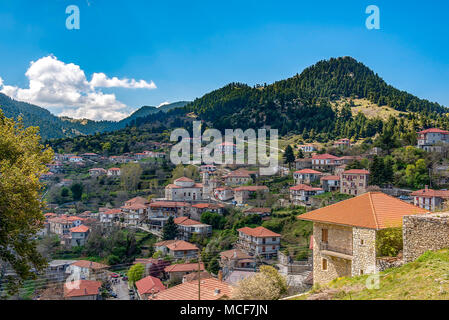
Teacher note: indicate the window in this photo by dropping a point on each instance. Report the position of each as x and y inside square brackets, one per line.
[324, 235]
[362, 242]
[324, 264]
[361, 272]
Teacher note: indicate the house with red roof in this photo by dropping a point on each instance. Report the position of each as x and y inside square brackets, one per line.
[236, 259]
[345, 233]
[259, 242]
[325, 162]
[184, 189]
[432, 139]
[301, 194]
[178, 271]
[135, 210]
[342, 143]
[79, 235]
[88, 270]
[110, 216]
[430, 199]
[148, 286]
[199, 208]
[224, 193]
[160, 211]
[354, 182]
[239, 177]
[82, 290]
[95, 172]
[330, 183]
[178, 249]
[306, 176]
[187, 228]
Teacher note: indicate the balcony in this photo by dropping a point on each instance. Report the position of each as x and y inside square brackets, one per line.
[336, 251]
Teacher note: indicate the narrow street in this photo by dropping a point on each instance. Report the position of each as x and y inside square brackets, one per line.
[121, 289]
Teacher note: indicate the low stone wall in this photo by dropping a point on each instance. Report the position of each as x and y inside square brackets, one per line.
[383, 264]
[423, 233]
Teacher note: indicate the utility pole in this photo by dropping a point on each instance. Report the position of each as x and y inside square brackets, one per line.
[199, 275]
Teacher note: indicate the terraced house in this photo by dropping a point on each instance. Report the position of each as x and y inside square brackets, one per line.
[259, 242]
[345, 233]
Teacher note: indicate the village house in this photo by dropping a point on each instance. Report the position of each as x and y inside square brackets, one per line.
[236, 259]
[241, 194]
[114, 172]
[208, 289]
[263, 212]
[432, 139]
[135, 211]
[82, 290]
[306, 176]
[307, 148]
[302, 193]
[330, 183]
[344, 234]
[430, 199]
[56, 270]
[338, 171]
[224, 193]
[239, 177]
[61, 225]
[55, 167]
[95, 172]
[178, 249]
[75, 159]
[177, 271]
[90, 155]
[184, 189]
[325, 162]
[79, 235]
[354, 181]
[160, 211]
[110, 216]
[140, 156]
[188, 228]
[259, 242]
[148, 286]
[343, 143]
[199, 208]
[305, 163]
[226, 148]
[208, 168]
[89, 270]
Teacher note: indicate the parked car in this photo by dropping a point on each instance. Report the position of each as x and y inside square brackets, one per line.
[125, 278]
[113, 294]
[114, 275]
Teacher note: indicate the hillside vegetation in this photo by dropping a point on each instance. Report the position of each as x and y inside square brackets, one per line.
[426, 278]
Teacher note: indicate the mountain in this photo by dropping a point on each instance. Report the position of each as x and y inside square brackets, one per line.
[52, 126]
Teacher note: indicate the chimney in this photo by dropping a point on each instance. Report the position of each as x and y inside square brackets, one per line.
[220, 275]
[216, 292]
[427, 188]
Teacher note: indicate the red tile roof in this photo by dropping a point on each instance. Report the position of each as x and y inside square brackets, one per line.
[81, 229]
[259, 232]
[251, 188]
[184, 267]
[149, 285]
[308, 171]
[185, 221]
[263, 210]
[168, 204]
[113, 211]
[90, 265]
[181, 245]
[434, 130]
[429, 193]
[304, 187]
[80, 288]
[330, 178]
[324, 156]
[356, 171]
[210, 289]
[208, 205]
[372, 210]
[183, 179]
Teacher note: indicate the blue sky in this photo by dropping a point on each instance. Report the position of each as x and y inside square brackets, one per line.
[188, 48]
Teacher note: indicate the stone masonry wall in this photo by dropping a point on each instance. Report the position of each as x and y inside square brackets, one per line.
[364, 251]
[424, 232]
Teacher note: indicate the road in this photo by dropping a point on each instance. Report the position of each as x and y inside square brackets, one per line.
[121, 289]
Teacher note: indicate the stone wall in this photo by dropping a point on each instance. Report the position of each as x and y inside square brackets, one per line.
[424, 232]
[364, 251]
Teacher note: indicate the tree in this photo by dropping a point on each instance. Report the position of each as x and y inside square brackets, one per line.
[389, 242]
[267, 284]
[300, 154]
[130, 176]
[23, 160]
[216, 220]
[135, 273]
[77, 191]
[289, 157]
[170, 229]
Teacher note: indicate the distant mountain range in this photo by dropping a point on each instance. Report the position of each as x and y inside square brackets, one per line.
[52, 126]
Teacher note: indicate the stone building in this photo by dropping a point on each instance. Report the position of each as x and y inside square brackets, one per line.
[354, 182]
[306, 176]
[344, 234]
[424, 232]
[184, 189]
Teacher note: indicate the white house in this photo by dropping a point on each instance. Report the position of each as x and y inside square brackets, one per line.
[259, 241]
[184, 189]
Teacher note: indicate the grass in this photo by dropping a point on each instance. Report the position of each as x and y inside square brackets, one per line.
[369, 109]
[426, 278]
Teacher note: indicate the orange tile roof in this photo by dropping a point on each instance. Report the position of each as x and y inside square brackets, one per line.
[208, 205]
[89, 264]
[235, 254]
[304, 187]
[330, 178]
[183, 179]
[372, 210]
[356, 171]
[181, 245]
[185, 221]
[168, 204]
[431, 193]
[434, 130]
[148, 284]
[113, 211]
[184, 267]
[264, 210]
[259, 232]
[324, 156]
[81, 288]
[210, 289]
[251, 188]
[308, 171]
[81, 228]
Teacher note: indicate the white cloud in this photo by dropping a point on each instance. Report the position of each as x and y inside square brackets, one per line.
[56, 85]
